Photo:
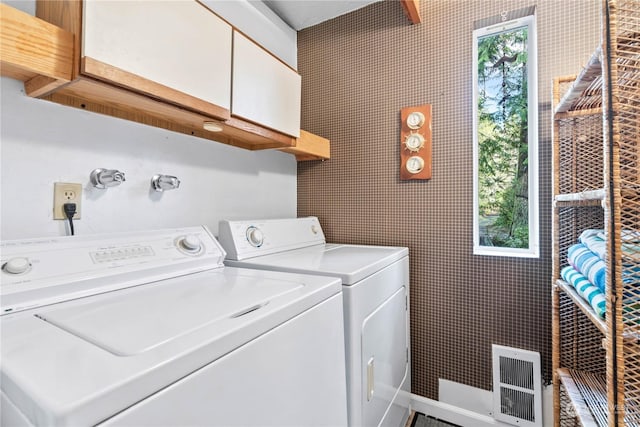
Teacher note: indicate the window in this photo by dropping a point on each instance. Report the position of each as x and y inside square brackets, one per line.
[505, 145]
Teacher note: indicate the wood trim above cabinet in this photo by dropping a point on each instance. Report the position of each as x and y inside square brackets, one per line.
[30, 47]
[101, 71]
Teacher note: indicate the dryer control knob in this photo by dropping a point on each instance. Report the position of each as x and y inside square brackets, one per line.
[255, 236]
[190, 243]
[17, 265]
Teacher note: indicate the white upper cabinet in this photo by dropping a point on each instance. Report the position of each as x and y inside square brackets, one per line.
[177, 65]
[265, 90]
[175, 45]
[254, 19]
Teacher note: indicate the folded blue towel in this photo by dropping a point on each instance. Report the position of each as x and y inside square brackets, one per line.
[589, 264]
[594, 240]
[585, 289]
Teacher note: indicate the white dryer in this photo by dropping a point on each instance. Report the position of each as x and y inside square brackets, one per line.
[375, 286]
[150, 328]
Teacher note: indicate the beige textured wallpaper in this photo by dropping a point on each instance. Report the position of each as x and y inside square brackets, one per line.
[358, 71]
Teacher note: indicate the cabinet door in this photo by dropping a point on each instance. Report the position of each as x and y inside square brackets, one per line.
[265, 91]
[178, 51]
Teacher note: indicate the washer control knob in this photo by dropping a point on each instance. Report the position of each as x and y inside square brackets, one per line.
[17, 265]
[190, 243]
[314, 229]
[255, 236]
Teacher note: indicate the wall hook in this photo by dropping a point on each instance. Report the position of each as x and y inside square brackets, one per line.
[164, 182]
[104, 178]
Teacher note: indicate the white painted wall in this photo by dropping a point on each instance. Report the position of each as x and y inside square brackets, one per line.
[42, 142]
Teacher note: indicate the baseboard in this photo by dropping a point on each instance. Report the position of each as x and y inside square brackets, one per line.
[452, 414]
[477, 402]
[466, 397]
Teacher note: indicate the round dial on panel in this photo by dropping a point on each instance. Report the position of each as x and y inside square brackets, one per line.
[17, 265]
[255, 236]
[414, 164]
[415, 120]
[414, 142]
[190, 245]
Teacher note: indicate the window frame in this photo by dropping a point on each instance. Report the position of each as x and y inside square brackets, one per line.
[533, 251]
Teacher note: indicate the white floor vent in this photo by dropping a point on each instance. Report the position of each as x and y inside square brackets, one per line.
[517, 386]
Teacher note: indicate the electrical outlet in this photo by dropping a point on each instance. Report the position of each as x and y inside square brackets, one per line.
[65, 192]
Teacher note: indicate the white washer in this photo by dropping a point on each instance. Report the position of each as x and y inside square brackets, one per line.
[150, 328]
[375, 283]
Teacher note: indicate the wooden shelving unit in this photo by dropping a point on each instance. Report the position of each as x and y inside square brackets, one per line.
[585, 198]
[596, 184]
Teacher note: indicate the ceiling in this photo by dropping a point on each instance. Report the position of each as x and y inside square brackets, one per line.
[301, 14]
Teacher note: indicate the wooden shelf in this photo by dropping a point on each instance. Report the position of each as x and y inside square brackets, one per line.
[42, 56]
[586, 90]
[588, 395]
[310, 147]
[32, 49]
[583, 305]
[584, 198]
[568, 115]
[584, 97]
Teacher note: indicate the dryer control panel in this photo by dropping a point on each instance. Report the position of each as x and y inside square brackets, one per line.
[42, 271]
[250, 238]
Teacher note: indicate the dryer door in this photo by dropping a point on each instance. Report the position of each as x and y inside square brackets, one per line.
[384, 356]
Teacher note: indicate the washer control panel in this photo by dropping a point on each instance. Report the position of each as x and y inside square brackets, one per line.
[38, 271]
[247, 239]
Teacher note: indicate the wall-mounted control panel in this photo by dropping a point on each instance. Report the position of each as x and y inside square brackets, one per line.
[415, 142]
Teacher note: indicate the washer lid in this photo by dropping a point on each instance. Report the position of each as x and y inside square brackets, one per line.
[82, 361]
[126, 325]
[351, 263]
